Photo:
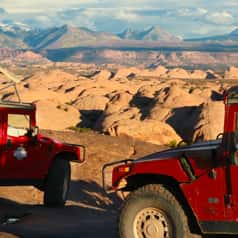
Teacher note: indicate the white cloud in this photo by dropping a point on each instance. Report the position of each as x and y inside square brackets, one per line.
[220, 18]
[191, 12]
[185, 17]
[41, 5]
[232, 3]
[127, 15]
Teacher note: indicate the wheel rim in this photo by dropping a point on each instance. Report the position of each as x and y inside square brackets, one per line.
[152, 223]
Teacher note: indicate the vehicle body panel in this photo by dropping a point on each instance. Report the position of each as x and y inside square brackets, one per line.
[206, 174]
[38, 151]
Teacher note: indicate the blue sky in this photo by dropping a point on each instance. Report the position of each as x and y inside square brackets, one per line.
[186, 18]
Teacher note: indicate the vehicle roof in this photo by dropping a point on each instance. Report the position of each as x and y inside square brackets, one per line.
[17, 105]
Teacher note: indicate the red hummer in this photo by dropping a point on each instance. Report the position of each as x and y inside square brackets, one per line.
[28, 158]
[177, 192]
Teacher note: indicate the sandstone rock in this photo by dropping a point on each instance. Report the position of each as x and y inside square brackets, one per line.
[159, 112]
[212, 75]
[178, 73]
[118, 108]
[92, 91]
[160, 71]
[182, 119]
[31, 95]
[177, 107]
[56, 116]
[52, 79]
[118, 102]
[149, 90]
[198, 74]
[107, 121]
[125, 72]
[112, 105]
[176, 96]
[91, 102]
[149, 130]
[103, 75]
[30, 56]
[210, 122]
[90, 107]
[231, 73]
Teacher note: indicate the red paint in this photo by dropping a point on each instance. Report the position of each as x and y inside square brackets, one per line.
[40, 150]
[213, 195]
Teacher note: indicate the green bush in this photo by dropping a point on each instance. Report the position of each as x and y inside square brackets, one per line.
[71, 102]
[79, 129]
[172, 144]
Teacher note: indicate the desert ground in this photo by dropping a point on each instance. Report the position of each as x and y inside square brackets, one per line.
[89, 212]
[117, 113]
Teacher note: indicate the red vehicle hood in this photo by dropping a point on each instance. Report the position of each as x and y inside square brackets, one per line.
[178, 152]
[58, 147]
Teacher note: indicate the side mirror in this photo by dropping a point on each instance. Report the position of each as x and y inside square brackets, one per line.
[35, 131]
[232, 140]
[234, 159]
[235, 139]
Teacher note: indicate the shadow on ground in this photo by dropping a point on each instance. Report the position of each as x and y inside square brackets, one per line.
[89, 213]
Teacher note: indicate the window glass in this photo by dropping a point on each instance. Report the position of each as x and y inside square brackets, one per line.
[18, 124]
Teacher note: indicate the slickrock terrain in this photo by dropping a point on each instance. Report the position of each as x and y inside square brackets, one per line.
[157, 105]
[128, 107]
[231, 73]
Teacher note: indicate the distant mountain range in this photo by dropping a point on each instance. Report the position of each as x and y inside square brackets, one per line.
[18, 35]
[65, 37]
[68, 43]
[149, 34]
[233, 37]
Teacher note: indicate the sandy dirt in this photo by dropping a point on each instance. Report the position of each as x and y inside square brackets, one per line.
[89, 212]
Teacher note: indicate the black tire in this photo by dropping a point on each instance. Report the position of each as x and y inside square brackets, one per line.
[40, 187]
[152, 211]
[57, 183]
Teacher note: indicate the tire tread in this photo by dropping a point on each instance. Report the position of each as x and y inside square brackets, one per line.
[163, 193]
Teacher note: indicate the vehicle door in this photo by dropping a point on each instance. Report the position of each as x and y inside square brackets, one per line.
[22, 155]
[232, 172]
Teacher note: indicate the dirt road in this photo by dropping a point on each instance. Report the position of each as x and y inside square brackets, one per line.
[89, 212]
[75, 220]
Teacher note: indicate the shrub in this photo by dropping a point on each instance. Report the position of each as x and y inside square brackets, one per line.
[71, 102]
[80, 129]
[172, 144]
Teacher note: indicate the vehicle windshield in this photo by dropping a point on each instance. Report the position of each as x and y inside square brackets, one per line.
[18, 125]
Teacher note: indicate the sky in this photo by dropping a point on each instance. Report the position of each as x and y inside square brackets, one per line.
[185, 18]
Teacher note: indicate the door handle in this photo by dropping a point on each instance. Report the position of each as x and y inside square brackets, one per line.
[9, 144]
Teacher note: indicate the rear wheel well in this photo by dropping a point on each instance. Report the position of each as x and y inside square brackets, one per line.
[136, 181]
